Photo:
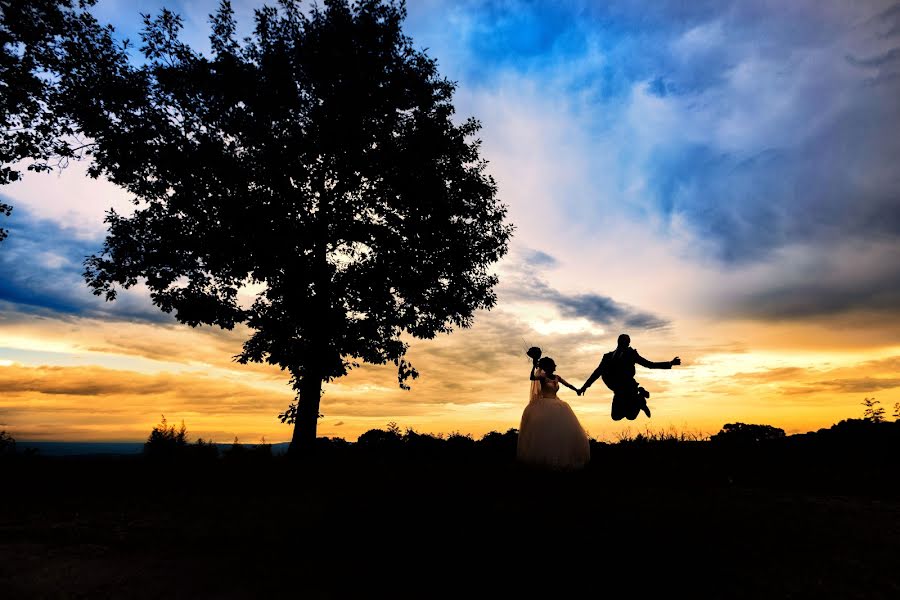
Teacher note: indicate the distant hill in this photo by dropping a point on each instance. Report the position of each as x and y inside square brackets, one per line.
[105, 448]
[80, 448]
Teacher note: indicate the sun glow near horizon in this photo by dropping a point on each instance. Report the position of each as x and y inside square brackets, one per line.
[98, 397]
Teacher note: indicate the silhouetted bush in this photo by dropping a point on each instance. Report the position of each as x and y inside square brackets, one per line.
[498, 446]
[856, 436]
[166, 442]
[235, 452]
[743, 433]
[203, 450]
[461, 444]
[413, 445]
[262, 450]
[7, 444]
[873, 412]
[334, 448]
[381, 440]
[255, 453]
[423, 446]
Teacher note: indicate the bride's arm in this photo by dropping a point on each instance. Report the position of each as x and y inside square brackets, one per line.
[566, 383]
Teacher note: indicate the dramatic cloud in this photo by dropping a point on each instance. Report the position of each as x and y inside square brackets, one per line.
[537, 259]
[741, 133]
[524, 281]
[41, 272]
[597, 309]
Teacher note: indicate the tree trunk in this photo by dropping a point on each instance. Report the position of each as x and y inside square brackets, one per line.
[303, 442]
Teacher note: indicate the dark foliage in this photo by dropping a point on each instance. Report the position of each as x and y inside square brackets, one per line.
[239, 453]
[391, 443]
[33, 125]
[742, 433]
[7, 444]
[873, 412]
[461, 444]
[854, 454]
[499, 445]
[318, 159]
[166, 443]
[794, 517]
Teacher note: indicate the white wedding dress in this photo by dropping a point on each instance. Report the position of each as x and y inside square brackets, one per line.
[550, 434]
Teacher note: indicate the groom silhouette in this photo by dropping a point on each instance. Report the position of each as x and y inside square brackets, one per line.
[617, 370]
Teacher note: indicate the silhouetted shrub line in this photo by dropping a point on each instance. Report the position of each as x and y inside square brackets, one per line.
[7, 444]
[855, 456]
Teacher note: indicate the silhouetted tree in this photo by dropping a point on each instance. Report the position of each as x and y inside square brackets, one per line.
[457, 442]
[33, 38]
[237, 452]
[165, 441]
[381, 439]
[203, 450]
[747, 433]
[422, 445]
[499, 446]
[873, 412]
[7, 443]
[317, 160]
[897, 410]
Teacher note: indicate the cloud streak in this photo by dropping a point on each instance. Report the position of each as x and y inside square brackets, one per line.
[524, 282]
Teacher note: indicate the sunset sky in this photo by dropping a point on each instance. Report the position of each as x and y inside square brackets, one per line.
[720, 180]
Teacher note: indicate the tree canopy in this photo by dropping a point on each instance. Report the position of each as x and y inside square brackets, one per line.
[33, 128]
[744, 433]
[317, 161]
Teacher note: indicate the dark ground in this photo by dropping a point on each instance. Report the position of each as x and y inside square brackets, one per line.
[679, 520]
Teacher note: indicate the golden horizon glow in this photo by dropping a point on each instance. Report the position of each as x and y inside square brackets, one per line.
[107, 382]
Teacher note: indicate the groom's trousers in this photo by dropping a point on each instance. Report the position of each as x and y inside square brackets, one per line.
[627, 401]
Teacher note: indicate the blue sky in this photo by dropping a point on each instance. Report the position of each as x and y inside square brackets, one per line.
[711, 175]
[756, 126]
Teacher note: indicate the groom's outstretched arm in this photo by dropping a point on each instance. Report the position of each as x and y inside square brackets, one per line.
[655, 365]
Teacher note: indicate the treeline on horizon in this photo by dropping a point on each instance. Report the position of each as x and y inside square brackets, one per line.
[854, 456]
[872, 434]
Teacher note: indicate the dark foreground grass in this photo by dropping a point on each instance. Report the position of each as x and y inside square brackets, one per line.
[665, 519]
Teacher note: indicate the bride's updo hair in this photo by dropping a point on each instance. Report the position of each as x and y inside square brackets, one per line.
[547, 365]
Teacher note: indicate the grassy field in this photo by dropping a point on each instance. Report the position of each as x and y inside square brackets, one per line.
[795, 519]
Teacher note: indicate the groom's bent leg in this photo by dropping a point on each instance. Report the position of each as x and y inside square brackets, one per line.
[618, 409]
[626, 406]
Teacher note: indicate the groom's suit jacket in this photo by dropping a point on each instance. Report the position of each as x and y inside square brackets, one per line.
[617, 368]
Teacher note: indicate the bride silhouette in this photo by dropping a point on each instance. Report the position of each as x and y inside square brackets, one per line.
[549, 433]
